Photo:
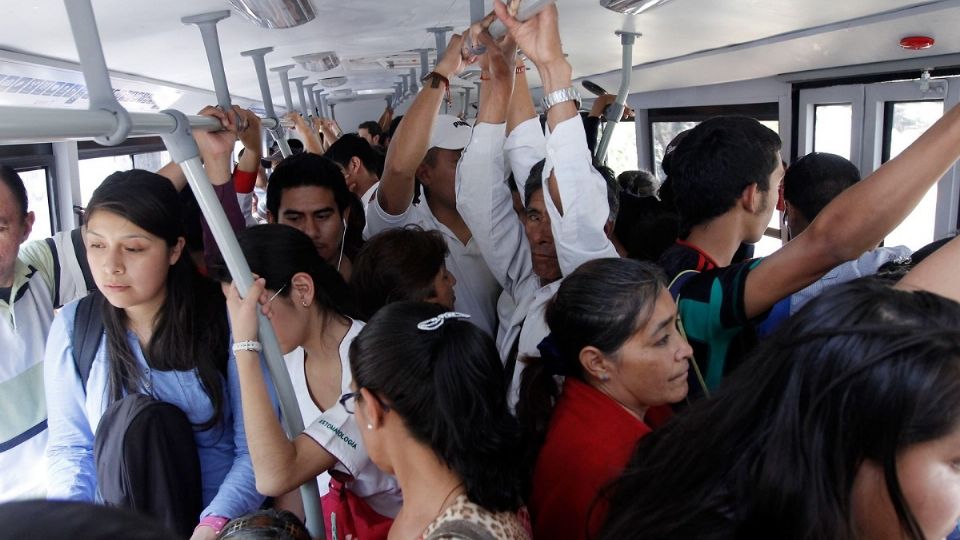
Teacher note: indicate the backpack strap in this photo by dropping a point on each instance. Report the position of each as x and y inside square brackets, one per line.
[80, 251]
[52, 246]
[87, 333]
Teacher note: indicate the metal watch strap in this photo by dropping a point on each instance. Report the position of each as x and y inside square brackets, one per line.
[559, 96]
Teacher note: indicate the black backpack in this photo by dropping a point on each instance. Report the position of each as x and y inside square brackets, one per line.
[144, 450]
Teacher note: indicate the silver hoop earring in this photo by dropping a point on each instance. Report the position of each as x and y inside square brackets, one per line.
[303, 302]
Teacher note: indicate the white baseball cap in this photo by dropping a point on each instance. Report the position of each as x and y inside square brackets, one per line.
[450, 133]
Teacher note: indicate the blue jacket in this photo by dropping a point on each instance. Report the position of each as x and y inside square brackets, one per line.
[229, 489]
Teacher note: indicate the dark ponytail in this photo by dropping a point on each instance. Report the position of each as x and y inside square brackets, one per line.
[601, 304]
[448, 386]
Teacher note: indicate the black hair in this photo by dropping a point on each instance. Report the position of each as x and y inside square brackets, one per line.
[601, 304]
[306, 169]
[276, 252]
[534, 184]
[349, 146]
[449, 388]
[397, 264]
[815, 180]
[14, 183]
[860, 373]
[267, 524]
[641, 183]
[646, 227]
[73, 519]
[394, 124]
[716, 161]
[372, 127]
[534, 181]
[150, 202]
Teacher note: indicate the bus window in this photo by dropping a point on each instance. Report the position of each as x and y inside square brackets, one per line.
[622, 153]
[94, 170]
[832, 129]
[151, 161]
[903, 123]
[663, 133]
[38, 202]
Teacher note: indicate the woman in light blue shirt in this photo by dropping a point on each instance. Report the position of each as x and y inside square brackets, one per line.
[165, 336]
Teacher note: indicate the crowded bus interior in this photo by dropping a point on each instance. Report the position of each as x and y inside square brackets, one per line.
[480, 269]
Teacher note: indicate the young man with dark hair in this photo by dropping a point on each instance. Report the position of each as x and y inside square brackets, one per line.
[358, 161]
[308, 192]
[371, 132]
[726, 175]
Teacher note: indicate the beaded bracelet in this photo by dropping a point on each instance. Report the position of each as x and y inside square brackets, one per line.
[247, 346]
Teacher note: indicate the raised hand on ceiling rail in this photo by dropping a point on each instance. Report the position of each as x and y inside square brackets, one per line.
[600, 105]
[330, 129]
[311, 140]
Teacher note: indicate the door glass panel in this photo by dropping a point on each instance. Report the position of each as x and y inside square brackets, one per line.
[832, 125]
[907, 122]
[38, 202]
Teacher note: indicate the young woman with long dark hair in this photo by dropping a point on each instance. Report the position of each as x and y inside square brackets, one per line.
[165, 336]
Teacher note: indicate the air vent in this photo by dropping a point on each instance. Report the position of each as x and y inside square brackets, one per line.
[631, 7]
[343, 92]
[318, 62]
[333, 82]
[275, 13]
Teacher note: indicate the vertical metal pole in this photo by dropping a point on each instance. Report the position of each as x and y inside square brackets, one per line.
[466, 100]
[325, 106]
[260, 65]
[83, 24]
[413, 81]
[333, 114]
[318, 103]
[184, 151]
[284, 72]
[303, 98]
[397, 92]
[424, 62]
[207, 23]
[477, 11]
[440, 36]
[627, 39]
[405, 82]
[308, 88]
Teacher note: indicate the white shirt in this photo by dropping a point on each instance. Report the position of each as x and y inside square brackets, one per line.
[379, 489]
[477, 289]
[484, 201]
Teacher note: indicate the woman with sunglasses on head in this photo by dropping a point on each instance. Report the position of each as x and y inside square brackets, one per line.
[310, 308]
[154, 350]
[614, 339]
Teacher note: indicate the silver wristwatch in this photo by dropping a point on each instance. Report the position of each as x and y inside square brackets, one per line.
[559, 96]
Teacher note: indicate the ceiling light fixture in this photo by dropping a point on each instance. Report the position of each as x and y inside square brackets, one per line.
[333, 82]
[917, 43]
[318, 62]
[631, 7]
[275, 13]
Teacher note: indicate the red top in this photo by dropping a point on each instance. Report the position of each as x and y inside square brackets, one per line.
[705, 262]
[590, 439]
[243, 181]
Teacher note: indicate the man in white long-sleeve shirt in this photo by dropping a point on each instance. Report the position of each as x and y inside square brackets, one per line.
[427, 147]
[566, 204]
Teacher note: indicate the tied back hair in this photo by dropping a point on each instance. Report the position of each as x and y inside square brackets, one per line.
[861, 373]
[190, 329]
[276, 252]
[601, 304]
[448, 387]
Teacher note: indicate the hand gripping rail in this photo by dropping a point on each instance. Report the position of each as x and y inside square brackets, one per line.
[114, 124]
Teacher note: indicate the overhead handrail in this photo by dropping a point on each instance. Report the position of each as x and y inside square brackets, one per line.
[627, 39]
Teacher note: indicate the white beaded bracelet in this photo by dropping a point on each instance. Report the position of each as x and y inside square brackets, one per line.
[247, 346]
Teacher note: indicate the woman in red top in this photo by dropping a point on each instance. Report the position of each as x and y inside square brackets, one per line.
[614, 337]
